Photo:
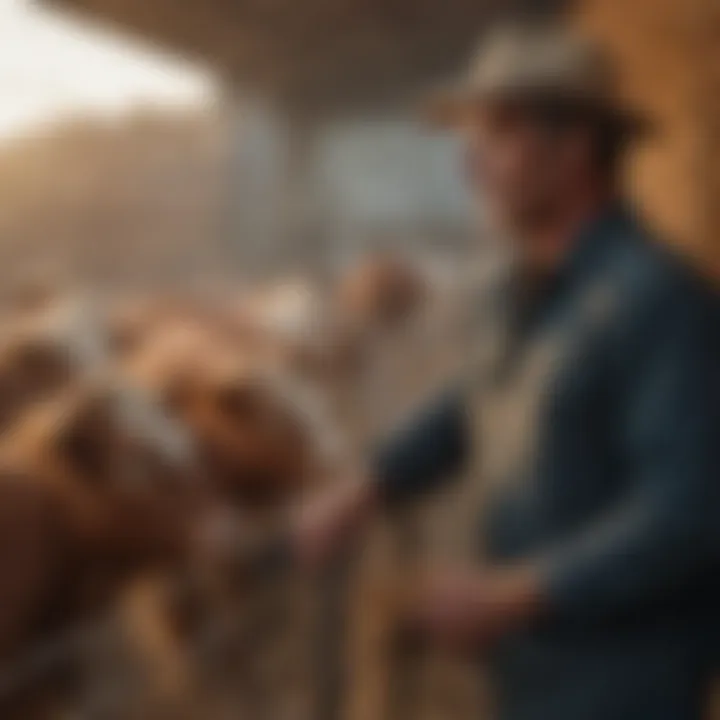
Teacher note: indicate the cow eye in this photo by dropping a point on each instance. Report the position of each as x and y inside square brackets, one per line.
[85, 454]
[238, 401]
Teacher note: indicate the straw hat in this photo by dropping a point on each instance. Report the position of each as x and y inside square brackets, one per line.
[538, 65]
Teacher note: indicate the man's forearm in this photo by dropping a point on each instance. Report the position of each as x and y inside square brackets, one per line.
[424, 454]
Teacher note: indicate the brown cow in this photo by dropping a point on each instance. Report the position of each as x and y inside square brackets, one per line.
[132, 322]
[95, 487]
[254, 437]
[256, 434]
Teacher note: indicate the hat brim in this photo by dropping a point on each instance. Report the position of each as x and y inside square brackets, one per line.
[449, 106]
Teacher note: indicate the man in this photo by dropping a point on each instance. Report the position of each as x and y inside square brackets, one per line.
[591, 415]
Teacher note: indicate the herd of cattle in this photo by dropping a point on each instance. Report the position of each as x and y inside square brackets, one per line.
[148, 438]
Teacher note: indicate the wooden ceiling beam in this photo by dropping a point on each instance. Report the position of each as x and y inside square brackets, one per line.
[327, 56]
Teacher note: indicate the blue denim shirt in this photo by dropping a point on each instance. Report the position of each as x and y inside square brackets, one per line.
[620, 508]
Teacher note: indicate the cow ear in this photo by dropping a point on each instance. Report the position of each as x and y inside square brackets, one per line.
[84, 440]
[37, 357]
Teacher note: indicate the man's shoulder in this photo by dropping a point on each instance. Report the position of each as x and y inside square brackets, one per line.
[657, 290]
[649, 275]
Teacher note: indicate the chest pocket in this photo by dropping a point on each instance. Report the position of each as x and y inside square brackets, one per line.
[509, 394]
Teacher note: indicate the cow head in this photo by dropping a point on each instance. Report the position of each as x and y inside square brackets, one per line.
[253, 438]
[44, 352]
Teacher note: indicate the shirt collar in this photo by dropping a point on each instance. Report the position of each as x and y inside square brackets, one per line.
[594, 239]
[592, 243]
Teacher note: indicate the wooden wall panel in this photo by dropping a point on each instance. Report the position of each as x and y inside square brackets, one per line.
[669, 57]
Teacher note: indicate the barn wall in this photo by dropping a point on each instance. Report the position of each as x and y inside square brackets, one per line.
[669, 55]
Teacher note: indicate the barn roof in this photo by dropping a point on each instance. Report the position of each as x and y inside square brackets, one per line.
[322, 56]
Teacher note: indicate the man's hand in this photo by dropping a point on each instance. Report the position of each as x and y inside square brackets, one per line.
[471, 609]
[325, 524]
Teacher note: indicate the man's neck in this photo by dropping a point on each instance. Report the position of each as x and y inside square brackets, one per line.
[547, 244]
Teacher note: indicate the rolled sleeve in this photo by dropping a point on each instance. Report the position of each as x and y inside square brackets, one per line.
[431, 448]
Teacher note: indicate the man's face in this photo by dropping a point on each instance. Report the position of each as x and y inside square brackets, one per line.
[517, 167]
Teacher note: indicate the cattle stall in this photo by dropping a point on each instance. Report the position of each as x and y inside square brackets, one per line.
[322, 162]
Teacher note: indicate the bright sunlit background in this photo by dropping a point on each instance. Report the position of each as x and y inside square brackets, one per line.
[123, 161]
[54, 66]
